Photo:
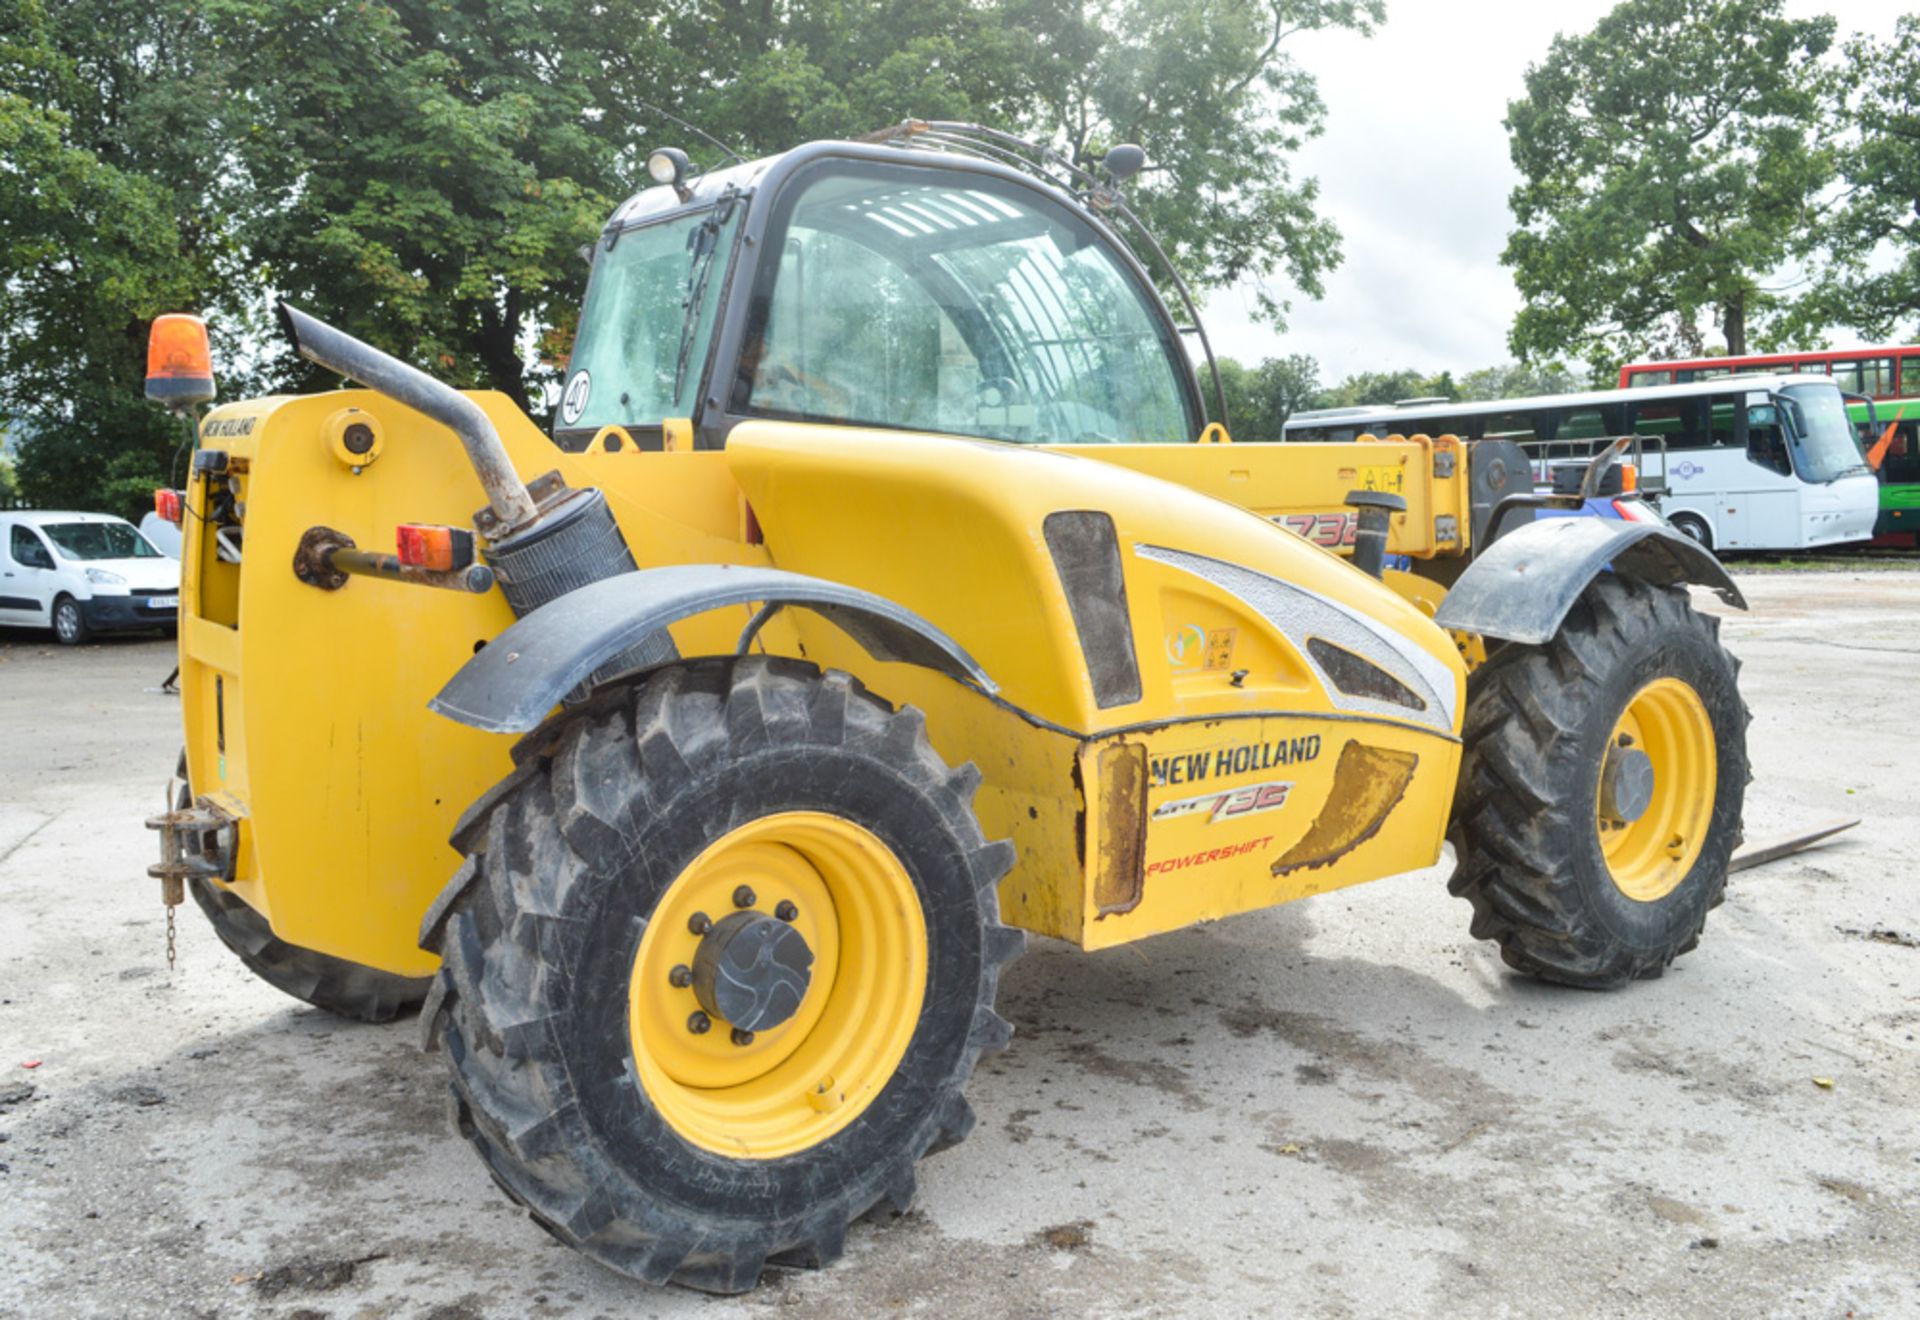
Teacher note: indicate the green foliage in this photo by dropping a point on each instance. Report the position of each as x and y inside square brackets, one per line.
[1670, 160]
[1261, 398]
[1368, 388]
[1520, 380]
[423, 173]
[1870, 278]
[104, 162]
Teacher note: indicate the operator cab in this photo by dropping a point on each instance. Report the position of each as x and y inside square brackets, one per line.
[874, 285]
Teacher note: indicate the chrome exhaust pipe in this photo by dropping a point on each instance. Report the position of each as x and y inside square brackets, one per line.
[336, 350]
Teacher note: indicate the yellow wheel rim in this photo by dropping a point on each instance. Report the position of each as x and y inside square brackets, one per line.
[1648, 857]
[796, 1084]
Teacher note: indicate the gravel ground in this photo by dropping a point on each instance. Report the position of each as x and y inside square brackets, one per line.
[1345, 1106]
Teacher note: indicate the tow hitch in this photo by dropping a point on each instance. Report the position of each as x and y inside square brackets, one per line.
[196, 839]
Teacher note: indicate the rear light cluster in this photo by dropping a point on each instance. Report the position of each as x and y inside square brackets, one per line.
[169, 504]
[436, 549]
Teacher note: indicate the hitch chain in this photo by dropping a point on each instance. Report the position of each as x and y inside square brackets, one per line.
[195, 840]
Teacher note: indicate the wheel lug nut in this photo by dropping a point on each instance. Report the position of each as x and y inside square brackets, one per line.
[699, 1023]
[699, 923]
[742, 1037]
[786, 911]
[681, 976]
[743, 897]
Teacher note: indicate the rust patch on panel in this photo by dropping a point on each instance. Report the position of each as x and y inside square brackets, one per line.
[1120, 853]
[1368, 784]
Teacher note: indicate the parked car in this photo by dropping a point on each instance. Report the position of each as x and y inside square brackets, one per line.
[164, 535]
[82, 573]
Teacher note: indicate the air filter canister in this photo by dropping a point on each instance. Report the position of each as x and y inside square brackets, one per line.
[575, 543]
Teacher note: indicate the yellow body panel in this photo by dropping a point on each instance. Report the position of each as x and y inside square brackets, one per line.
[306, 710]
[1304, 487]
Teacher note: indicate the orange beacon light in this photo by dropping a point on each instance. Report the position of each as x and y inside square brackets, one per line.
[179, 361]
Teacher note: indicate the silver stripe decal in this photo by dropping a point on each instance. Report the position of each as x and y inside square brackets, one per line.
[1299, 614]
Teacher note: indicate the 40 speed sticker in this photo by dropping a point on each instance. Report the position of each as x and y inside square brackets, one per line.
[1230, 805]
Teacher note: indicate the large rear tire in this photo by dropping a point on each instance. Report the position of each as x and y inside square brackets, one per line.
[1601, 788]
[598, 1068]
[344, 988]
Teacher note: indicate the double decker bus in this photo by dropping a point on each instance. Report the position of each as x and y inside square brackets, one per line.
[1889, 375]
[1760, 462]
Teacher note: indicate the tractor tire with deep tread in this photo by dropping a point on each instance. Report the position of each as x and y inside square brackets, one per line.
[347, 989]
[543, 932]
[1540, 723]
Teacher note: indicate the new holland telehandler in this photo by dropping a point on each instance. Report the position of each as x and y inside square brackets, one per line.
[880, 593]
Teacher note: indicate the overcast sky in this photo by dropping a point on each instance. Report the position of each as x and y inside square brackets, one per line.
[1413, 168]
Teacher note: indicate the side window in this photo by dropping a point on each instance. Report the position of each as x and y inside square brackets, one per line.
[1869, 376]
[983, 311]
[1902, 462]
[1910, 376]
[1766, 443]
[27, 549]
[1640, 378]
[1669, 421]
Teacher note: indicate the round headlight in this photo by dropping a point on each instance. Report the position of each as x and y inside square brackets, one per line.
[667, 165]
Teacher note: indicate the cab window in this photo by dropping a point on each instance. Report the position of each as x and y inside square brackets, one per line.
[981, 308]
[27, 549]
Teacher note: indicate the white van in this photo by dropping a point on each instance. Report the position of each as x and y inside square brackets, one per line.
[82, 573]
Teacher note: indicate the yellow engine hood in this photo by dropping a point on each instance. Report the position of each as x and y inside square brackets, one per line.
[1229, 614]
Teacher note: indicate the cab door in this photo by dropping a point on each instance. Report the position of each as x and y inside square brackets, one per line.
[26, 578]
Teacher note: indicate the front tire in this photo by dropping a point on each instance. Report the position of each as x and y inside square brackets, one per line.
[69, 622]
[592, 1069]
[1601, 788]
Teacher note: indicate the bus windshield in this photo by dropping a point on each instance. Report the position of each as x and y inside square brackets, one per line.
[1825, 447]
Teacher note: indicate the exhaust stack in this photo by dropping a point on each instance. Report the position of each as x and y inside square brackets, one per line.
[336, 350]
[541, 542]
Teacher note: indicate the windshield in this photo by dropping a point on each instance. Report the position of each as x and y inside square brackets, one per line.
[646, 325]
[99, 540]
[903, 299]
[1825, 446]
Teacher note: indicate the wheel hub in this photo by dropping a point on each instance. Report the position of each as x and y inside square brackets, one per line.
[1626, 785]
[752, 970]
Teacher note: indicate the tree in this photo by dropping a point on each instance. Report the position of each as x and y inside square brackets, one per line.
[105, 162]
[1671, 160]
[1520, 380]
[1208, 87]
[1870, 280]
[424, 173]
[1261, 398]
[1371, 388]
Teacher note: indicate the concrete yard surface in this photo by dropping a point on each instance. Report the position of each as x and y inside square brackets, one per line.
[1342, 1107]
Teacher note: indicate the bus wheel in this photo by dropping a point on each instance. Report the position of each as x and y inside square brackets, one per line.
[1693, 527]
[1601, 788]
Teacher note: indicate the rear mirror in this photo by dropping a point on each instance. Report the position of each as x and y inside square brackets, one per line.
[179, 361]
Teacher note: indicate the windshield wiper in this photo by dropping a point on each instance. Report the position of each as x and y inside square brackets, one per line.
[705, 242]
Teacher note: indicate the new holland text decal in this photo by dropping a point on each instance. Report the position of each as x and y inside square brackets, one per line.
[1225, 762]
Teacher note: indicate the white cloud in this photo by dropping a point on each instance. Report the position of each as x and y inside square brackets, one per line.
[1413, 167]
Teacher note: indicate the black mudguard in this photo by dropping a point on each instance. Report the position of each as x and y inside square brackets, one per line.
[1521, 588]
[524, 672]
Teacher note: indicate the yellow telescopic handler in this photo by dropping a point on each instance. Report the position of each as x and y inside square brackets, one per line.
[881, 592]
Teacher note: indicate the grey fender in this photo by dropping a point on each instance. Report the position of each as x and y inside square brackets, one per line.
[1521, 588]
[522, 674]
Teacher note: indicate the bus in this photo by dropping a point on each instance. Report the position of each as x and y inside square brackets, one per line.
[1760, 462]
[1889, 375]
